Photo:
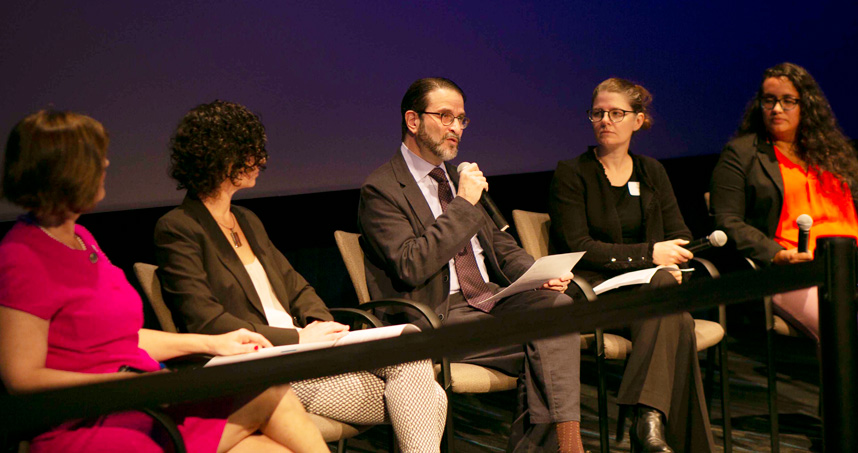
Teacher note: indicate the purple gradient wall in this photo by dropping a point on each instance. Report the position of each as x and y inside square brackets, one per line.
[327, 79]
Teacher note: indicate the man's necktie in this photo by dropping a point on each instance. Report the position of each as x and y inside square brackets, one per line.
[473, 287]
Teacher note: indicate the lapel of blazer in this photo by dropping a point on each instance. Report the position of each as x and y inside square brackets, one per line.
[265, 256]
[224, 249]
[647, 190]
[769, 162]
[608, 201]
[411, 190]
[484, 235]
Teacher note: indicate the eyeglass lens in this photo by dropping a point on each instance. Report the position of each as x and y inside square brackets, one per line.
[616, 115]
[787, 103]
[447, 119]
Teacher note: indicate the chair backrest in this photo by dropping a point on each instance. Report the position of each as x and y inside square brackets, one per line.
[152, 289]
[349, 245]
[532, 229]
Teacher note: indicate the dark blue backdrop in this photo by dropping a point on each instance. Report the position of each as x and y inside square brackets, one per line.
[327, 77]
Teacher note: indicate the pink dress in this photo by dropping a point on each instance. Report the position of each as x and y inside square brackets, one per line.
[95, 316]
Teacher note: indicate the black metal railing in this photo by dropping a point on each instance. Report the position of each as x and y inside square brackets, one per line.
[833, 271]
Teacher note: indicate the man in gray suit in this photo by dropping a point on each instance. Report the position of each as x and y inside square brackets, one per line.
[426, 244]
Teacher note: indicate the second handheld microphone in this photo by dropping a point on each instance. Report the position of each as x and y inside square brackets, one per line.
[804, 222]
[715, 239]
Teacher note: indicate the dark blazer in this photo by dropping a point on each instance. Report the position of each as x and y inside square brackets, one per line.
[583, 218]
[206, 285]
[747, 196]
[407, 249]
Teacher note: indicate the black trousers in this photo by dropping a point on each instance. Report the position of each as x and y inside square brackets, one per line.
[662, 372]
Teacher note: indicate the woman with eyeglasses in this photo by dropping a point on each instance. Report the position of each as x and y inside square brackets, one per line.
[620, 208]
[788, 158]
[220, 271]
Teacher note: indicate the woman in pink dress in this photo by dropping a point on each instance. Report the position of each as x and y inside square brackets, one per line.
[69, 317]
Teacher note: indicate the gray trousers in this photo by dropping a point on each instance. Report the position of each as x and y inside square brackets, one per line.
[550, 387]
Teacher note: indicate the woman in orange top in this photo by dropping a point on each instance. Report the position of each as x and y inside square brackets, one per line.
[789, 158]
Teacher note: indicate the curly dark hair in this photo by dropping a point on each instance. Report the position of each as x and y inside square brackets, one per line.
[215, 142]
[819, 141]
[639, 98]
[54, 164]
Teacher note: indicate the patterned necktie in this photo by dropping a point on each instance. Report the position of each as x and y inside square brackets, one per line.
[473, 287]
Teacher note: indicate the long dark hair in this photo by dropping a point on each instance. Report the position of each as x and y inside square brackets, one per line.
[819, 141]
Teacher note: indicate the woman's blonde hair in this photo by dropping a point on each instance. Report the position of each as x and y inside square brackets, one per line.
[639, 98]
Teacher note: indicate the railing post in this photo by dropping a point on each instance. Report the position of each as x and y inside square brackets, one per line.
[838, 319]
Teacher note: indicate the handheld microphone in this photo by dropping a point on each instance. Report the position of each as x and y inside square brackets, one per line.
[804, 222]
[715, 239]
[488, 204]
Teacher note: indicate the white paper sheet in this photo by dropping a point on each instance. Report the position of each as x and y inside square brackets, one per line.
[632, 278]
[353, 337]
[544, 269]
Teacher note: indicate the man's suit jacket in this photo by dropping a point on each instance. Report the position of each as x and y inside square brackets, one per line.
[583, 216]
[206, 285]
[408, 250]
[747, 196]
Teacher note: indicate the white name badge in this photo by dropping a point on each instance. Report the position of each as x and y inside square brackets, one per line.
[634, 188]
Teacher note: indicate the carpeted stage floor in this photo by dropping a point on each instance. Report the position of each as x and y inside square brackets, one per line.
[482, 421]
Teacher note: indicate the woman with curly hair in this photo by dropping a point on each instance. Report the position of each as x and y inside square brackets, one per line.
[788, 158]
[619, 207]
[68, 317]
[219, 271]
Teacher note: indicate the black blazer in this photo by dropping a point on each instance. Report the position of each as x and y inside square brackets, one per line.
[206, 285]
[583, 217]
[407, 249]
[747, 196]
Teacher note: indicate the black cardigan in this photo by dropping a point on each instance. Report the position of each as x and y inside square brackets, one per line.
[583, 217]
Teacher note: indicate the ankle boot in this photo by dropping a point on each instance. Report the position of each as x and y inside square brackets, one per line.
[647, 431]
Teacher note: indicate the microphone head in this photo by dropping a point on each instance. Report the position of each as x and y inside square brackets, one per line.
[461, 166]
[718, 238]
[804, 222]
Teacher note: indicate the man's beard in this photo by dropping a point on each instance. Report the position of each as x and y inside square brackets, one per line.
[436, 148]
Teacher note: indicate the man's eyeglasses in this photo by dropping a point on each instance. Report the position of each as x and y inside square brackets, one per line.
[447, 118]
[787, 103]
[616, 115]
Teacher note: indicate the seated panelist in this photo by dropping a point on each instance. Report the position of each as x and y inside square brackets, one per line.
[68, 317]
[788, 158]
[619, 207]
[427, 239]
[219, 271]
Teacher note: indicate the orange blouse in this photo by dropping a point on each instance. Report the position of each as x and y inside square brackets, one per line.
[821, 196]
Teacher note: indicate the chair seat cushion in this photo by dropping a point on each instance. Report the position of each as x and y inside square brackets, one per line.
[616, 347]
[333, 430]
[468, 378]
[708, 333]
[784, 328]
